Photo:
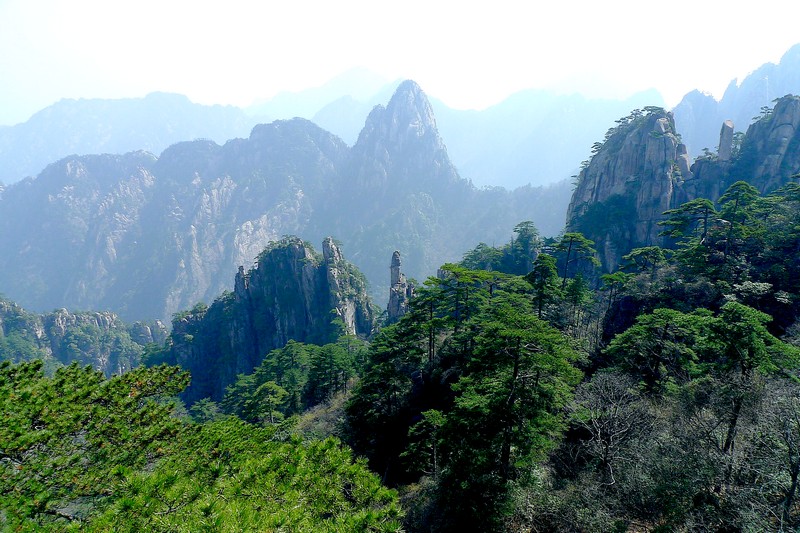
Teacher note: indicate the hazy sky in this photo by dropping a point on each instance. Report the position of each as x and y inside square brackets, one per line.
[469, 54]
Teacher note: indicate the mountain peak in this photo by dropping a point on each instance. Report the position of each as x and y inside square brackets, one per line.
[409, 105]
[405, 123]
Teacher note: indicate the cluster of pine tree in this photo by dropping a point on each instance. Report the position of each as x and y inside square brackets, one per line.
[666, 399]
[522, 391]
[79, 452]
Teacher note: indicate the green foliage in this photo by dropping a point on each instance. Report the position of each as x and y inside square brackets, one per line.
[81, 452]
[545, 282]
[230, 476]
[466, 388]
[661, 348]
[507, 411]
[647, 258]
[616, 216]
[64, 438]
[516, 257]
[293, 379]
[573, 247]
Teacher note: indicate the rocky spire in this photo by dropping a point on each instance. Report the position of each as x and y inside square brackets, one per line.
[725, 141]
[394, 269]
[400, 291]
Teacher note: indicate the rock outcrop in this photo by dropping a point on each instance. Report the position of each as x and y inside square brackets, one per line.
[770, 151]
[147, 236]
[640, 172]
[400, 291]
[292, 293]
[628, 184]
[97, 339]
[725, 150]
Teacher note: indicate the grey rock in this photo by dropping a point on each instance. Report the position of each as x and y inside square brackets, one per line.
[634, 175]
[400, 291]
[725, 149]
[292, 293]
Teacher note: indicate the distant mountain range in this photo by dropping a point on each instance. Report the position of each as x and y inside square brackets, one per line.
[698, 117]
[533, 137]
[97, 126]
[147, 236]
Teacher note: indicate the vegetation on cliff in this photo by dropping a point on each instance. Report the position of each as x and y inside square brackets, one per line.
[521, 389]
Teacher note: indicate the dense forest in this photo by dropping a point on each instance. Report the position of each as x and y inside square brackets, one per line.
[665, 400]
[635, 382]
[522, 390]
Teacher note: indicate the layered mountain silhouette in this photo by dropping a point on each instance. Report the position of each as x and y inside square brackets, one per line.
[96, 126]
[146, 236]
[698, 116]
[533, 137]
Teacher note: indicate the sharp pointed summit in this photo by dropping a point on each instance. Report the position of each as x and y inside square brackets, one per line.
[407, 118]
[400, 140]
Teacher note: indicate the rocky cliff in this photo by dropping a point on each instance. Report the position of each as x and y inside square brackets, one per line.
[100, 340]
[629, 182]
[146, 236]
[770, 152]
[292, 293]
[641, 170]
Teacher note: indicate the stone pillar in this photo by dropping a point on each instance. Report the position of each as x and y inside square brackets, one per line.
[394, 269]
[400, 291]
[725, 141]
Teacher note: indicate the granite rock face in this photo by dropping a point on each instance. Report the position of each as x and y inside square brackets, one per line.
[771, 149]
[640, 171]
[147, 236]
[628, 183]
[292, 293]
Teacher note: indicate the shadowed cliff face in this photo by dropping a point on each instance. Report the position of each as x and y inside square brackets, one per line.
[147, 236]
[292, 293]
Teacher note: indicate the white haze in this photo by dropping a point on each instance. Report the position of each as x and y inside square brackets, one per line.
[468, 54]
